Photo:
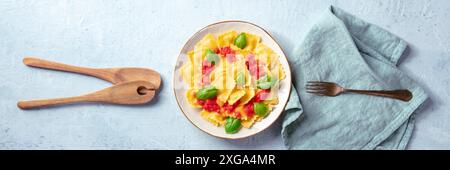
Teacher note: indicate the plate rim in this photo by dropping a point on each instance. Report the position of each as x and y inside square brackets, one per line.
[221, 22]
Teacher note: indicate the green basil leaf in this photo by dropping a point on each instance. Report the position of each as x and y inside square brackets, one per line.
[209, 51]
[260, 109]
[232, 125]
[265, 78]
[264, 85]
[241, 40]
[206, 93]
[265, 82]
[212, 57]
[240, 79]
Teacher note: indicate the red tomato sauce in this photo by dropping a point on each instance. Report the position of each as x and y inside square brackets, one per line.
[227, 52]
[209, 105]
[256, 68]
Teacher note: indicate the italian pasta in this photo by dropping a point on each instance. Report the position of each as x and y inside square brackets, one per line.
[233, 79]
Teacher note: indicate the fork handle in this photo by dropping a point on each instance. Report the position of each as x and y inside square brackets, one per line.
[404, 95]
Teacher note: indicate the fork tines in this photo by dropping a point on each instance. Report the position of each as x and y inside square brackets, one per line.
[319, 88]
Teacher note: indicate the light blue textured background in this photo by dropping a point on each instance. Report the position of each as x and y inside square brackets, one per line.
[150, 34]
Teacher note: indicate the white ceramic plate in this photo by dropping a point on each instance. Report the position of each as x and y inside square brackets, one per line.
[180, 86]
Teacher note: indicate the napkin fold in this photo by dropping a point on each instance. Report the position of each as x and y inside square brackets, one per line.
[355, 54]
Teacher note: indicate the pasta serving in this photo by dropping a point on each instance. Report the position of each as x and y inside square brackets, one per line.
[233, 79]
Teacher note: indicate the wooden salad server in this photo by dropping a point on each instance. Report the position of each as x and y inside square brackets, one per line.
[113, 75]
[129, 93]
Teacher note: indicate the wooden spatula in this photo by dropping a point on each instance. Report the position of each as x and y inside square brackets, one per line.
[130, 93]
[113, 75]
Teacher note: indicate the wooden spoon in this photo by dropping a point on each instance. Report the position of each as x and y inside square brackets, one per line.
[130, 93]
[113, 75]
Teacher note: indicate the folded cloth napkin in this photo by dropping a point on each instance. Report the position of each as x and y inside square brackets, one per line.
[355, 54]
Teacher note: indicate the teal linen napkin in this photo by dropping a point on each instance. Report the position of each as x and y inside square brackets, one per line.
[355, 54]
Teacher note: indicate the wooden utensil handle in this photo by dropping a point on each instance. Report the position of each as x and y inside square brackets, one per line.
[40, 63]
[404, 95]
[31, 104]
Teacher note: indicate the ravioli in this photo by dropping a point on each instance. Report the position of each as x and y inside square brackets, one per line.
[228, 75]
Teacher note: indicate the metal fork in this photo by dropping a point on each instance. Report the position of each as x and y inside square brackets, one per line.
[333, 89]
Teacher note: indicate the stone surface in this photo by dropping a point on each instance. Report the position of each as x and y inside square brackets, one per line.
[150, 34]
